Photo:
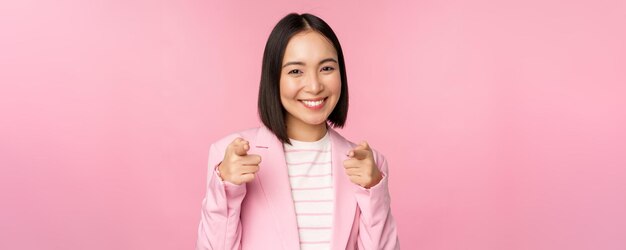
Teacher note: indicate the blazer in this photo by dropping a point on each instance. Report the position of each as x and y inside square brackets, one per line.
[261, 215]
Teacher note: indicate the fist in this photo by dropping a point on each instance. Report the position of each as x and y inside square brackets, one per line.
[238, 166]
[360, 166]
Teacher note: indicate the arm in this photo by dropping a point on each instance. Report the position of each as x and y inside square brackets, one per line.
[377, 227]
[220, 227]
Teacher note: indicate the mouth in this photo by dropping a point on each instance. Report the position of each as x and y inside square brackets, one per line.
[316, 103]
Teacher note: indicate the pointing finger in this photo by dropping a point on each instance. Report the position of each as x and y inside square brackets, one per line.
[239, 146]
[358, 154]
[363, 145]
[242, 149]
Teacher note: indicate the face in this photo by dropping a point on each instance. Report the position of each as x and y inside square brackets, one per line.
[310, 81]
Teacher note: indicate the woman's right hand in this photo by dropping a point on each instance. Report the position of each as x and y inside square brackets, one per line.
[238, 166]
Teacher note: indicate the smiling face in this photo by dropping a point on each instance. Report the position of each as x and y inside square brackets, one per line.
[310, 82]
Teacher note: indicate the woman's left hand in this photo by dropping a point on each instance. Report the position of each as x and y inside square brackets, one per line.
[361, 168]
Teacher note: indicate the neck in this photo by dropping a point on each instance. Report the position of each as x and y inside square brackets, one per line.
[306, 132]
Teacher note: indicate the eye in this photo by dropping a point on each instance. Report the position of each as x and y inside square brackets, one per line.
[294, 71]
[327, 68]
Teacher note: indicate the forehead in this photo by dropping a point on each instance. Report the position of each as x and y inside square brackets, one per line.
[309, 46]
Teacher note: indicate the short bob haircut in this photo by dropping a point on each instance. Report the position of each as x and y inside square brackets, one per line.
[270, 108]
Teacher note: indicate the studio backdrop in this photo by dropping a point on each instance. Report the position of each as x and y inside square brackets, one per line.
[503, 122]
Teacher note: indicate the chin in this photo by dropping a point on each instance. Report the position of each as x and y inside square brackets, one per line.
[316, 122]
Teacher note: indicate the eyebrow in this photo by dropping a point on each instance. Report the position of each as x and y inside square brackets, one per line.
[301, 63]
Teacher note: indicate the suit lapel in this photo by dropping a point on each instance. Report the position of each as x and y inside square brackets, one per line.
[345, 203]
[273, 179]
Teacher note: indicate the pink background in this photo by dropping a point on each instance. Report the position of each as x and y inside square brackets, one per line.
[504, 123]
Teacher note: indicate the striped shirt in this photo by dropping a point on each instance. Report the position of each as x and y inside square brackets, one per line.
[310, 176]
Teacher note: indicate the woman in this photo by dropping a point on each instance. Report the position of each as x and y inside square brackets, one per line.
[294, 182]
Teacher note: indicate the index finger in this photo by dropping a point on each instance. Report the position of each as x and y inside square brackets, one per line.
[239, 146]
[358, 154]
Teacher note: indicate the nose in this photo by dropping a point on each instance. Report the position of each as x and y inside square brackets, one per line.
[314, 85]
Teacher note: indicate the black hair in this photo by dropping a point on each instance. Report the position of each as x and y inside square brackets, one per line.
[270, 108]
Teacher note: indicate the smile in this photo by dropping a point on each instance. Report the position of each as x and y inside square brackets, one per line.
[314, 104]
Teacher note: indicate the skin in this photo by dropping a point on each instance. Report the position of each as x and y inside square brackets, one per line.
[307, 75]
[310, 70]
[238, 166]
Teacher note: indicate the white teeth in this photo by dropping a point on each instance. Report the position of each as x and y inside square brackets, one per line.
[313, 104]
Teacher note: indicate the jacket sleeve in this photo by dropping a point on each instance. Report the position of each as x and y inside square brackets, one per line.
[220, 226]
[377, 227]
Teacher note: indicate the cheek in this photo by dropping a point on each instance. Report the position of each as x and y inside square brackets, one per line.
[334, 84]
[287, 88]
